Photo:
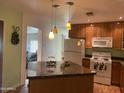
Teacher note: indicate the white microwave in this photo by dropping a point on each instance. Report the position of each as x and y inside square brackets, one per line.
[102, 42]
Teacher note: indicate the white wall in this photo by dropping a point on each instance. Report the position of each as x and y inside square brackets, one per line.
[52, 47]
[49, 47]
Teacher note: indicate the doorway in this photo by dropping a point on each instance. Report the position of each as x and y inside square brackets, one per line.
[1, 53]
[33, 42]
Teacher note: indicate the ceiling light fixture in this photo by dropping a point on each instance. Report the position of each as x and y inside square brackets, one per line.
[89, 14]
[79, 43]
[51, 34]
[120, 17]
[68, 25]
[88, 20]
[118, 23]
[91, 25]
[55, 30]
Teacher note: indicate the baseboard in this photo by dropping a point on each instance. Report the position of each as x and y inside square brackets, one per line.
[13, 88]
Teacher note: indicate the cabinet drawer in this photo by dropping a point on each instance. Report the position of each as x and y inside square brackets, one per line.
[122, 79]
[115, 76]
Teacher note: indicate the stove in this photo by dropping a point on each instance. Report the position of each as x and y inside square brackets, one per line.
[101, 62]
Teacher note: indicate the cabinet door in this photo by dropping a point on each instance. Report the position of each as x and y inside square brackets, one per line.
[77, 31]
[116, 69]
[89, 36]
[123, 38]
[117, 36]
[122, 79]
[86, 62]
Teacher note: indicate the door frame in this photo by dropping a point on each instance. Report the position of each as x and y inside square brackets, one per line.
[1, 52]
[24, 47]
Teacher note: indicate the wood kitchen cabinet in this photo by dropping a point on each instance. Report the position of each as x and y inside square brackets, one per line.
[122, 79]
[89, 36]
[117, 35]
[86, 62]
[123, 39]
[102, 30]
[116, 70]
[77, 31]
[105, 29]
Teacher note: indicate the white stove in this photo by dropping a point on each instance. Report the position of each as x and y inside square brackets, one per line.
[101, 63]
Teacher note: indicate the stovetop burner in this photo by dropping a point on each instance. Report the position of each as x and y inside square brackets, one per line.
[101, 56]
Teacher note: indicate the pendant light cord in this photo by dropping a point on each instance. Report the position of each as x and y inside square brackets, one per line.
[55, 9]
[69, 12]
[52, 16]
[69, 9]
[55, 15]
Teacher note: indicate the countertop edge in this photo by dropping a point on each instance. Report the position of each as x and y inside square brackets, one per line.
[59, 76]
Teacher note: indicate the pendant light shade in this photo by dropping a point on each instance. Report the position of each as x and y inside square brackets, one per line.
[68, 25]
[79, 43]
[55, 30]
[51, 35]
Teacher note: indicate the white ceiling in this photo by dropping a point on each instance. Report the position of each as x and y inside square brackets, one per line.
[104, 10]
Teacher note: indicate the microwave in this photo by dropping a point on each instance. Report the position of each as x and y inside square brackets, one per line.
[102, 42]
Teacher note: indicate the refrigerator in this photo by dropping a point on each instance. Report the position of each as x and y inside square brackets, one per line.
[74, 50]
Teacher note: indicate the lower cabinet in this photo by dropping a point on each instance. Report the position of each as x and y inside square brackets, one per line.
[86, 62]
[122, 79]
[116, 70]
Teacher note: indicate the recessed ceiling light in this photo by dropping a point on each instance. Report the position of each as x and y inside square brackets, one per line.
[120, 17]
[91, 25]
[118, 23]
[88, 20]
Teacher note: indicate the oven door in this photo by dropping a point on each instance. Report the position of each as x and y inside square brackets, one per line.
[106, 72]
[102, 76]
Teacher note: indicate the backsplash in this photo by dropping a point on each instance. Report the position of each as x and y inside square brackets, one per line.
[116, 53]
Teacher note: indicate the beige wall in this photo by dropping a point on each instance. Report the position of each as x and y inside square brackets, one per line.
[11, 53]
[14, 71]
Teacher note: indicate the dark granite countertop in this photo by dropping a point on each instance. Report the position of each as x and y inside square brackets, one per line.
[41, 70]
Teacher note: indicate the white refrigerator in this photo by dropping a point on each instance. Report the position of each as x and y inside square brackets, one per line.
[74, 50]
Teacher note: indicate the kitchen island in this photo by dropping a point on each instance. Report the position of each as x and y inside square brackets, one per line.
[64, 77]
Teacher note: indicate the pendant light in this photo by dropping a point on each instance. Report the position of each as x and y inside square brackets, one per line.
[68, 25]
[51, 34]
[79, 43]
[55, 30]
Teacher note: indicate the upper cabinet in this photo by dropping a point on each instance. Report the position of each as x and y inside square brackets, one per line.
[89, 36]
[117, 30]
[123, 39]
[107, 29]
[77, 31]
